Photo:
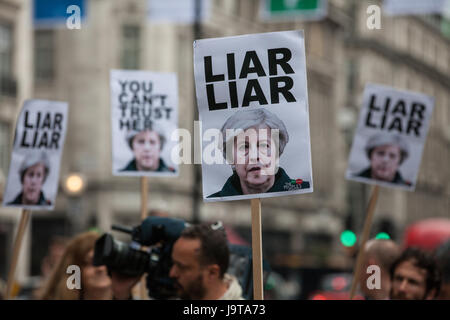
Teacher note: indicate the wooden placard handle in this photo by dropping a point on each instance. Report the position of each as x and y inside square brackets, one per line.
[144, 214]
[16, 251]
[257, 250]
[365, 236]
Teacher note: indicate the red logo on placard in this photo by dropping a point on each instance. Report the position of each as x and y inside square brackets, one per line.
[299, 181]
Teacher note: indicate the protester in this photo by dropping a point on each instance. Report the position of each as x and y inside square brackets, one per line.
[415, 276]
[146, 146]
[381, 253]
[54, 254]
[255, 166]
[200, 260]
[443, 258]
[95, 282]
[386, 153]
[33, 173]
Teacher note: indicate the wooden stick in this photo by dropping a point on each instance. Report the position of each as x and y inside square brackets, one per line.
[144, 214]
[144, 198]
[365, 236]
[257, 250]
[16, 251]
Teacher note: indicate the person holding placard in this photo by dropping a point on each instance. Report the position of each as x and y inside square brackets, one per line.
[381, 253]
[33, 173]
[386, 153]
[252, 146]
[146, 146]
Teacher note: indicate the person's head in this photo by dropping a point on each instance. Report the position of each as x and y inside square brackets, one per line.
[381, 253]
[415, 276]
[94, 279]
[200, 259]
[386, 153]
[253, 141]
[443, 259]
[33, 173]
[55, 251]
[146, 146]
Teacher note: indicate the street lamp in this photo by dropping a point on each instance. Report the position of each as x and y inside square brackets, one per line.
[74, 184]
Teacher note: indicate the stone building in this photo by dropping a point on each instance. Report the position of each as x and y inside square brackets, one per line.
[16, 85]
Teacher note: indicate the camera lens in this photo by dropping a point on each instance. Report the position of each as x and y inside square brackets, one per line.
[120, 257]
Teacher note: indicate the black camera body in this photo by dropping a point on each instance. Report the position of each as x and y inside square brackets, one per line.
[130, 260]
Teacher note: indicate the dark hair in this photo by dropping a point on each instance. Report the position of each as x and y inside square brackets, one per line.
[422, 260]
[214, 245]
[443, 259]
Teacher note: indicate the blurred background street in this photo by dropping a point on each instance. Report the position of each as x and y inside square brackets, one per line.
[303, 236]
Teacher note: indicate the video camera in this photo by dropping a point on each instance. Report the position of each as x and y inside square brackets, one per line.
[132, 260]
[160, 234]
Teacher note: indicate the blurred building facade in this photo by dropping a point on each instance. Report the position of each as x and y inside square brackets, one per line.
[16, 85]
[342, 56]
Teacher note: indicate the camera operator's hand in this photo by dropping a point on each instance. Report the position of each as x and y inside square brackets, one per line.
[122, 285]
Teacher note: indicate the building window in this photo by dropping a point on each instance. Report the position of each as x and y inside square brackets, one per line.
[131, 47]
[44, 55]
[4, 147]
[5, 50]
[7, 83]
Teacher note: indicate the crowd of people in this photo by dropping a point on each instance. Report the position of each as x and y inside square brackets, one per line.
[200, 258]
[409, 274]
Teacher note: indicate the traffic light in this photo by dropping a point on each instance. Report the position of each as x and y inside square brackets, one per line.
[348, 238]
[385, 229]
[382, 235]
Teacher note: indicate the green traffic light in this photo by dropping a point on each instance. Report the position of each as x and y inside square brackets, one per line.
[348, 238]
[382, 235]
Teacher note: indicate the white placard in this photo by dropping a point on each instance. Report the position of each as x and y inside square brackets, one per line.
[35, 161]
[390, 136]
[253, 82]
[144, 113]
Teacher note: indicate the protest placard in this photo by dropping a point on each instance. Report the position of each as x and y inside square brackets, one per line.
[35, 160]
[390, 136]
[253, 105]
[144, 113]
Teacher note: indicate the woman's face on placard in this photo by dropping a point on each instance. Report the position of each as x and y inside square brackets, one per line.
[384, 162]
[146, 147]
[255, 155]
[33, 179]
